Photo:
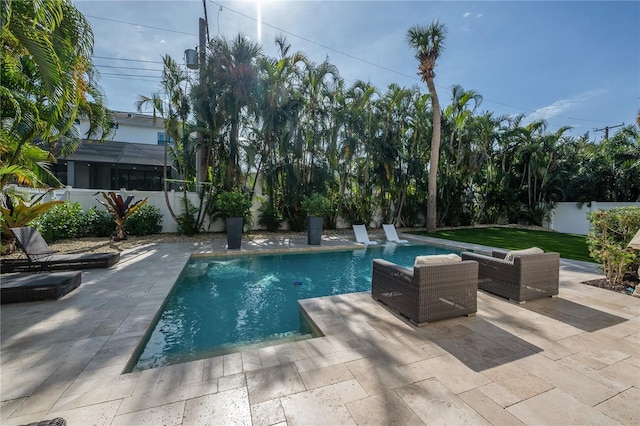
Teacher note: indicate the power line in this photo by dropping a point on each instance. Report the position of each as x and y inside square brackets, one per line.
[413, 77]
[125, 68]
[128, 60]
[140, 25]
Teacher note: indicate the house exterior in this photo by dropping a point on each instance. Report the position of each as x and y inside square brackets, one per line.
[131, 158]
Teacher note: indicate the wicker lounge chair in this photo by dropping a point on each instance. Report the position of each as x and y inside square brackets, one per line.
[391, 233]
[40, 256]
[362, 236]
[427, 292]
[526, 277]
[29, 287]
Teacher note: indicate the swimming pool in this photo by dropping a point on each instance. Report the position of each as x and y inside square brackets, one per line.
[221, 304]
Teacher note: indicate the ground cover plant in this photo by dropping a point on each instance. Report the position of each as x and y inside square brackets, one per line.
[569, 246]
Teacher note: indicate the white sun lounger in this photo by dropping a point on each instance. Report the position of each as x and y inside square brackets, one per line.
[391, 234]
[362, 236]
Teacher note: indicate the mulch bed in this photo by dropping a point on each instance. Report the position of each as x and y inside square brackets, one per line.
[627, 286]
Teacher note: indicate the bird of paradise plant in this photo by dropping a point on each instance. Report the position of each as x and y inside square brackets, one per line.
[120, 209]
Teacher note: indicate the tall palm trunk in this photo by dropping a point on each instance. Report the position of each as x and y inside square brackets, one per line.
[433, 162]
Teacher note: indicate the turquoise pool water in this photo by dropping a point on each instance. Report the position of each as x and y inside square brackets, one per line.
[222, 303]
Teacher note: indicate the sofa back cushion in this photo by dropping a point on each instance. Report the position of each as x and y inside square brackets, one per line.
[436, 259]
[513, 253]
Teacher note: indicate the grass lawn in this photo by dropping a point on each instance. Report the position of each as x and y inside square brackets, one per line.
[570, 246]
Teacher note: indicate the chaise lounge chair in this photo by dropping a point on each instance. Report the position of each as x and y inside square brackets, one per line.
[362, 236]
[437, 287]
[518, 275]
[41, 257]
[391, 233]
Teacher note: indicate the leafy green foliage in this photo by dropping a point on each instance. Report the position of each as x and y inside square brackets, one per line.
[270, 217]
[120, 209]
[61, 222]
[233, 204]
[147, 220]
[97, 223]
[18, 213]
[316, 205]
[187, 222]
[611, 231]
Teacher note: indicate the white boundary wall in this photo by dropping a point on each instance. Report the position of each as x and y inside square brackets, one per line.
[87, 199]
[571, 219]
[567, 217]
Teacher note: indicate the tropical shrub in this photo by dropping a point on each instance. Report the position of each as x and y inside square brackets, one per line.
[62, 221]
[270, 217]
[97, 223]
[611, 231]
[234, 204]
[187, 221]
[146, 220]
[120, 210]
[17, 212]
[316, 205]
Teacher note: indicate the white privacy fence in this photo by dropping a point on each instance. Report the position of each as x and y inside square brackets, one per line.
[567, 217]
[87, 199]
[571, 218]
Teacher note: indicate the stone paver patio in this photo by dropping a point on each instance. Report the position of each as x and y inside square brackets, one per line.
[574, 359]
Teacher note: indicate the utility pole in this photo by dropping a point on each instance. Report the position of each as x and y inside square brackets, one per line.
[202, 152]
[606, 130]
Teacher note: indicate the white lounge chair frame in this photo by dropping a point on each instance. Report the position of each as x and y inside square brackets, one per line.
[391, 233]
[362, 236]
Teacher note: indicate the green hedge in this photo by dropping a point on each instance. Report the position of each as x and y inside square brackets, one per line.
[611, 231]
[68, 220]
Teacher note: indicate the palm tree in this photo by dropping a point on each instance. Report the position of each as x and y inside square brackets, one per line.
[235, 65]
[429, 43]
[48, 80]
[175, 112]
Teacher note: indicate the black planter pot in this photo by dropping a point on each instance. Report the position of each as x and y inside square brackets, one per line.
[234, 232]
[314, 230]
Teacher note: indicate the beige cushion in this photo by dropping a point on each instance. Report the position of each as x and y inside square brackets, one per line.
[513, 253]
[436, 258]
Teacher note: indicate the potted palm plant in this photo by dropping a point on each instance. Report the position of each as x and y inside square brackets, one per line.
[234, 207]
[316, 206]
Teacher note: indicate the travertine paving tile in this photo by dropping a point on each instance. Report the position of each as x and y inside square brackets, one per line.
[232, 382]
[225, 408]
[349, 390]
[558, 408]
[169, 415]
[417, 371]
[454, 374]
[273, 382]
[267, 413]
[325, 376]
[623, 407]
[383, 409]
[488, 409]
[434, 404]
[98, 414]
[511, 384]
[376, 376]
[320, 406]
[251, 360]
[575, 384]
[232, 364]
[624, 372]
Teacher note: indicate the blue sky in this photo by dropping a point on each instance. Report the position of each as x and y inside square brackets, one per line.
[574, 63]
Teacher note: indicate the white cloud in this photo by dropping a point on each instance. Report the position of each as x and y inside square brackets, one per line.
[560, 106]
[466, 14]
[479, 15]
